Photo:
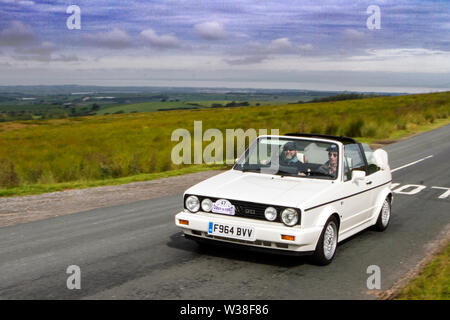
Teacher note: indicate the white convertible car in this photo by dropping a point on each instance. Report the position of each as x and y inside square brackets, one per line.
[294, 194]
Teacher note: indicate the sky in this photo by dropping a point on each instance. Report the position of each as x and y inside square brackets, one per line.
[375, 45]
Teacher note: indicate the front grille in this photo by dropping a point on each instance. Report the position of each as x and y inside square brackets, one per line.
[250, 210]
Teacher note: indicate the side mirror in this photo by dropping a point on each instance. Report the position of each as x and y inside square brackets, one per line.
[358, 175]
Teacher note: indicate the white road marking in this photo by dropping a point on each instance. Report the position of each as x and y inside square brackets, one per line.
[416, 189]
[412, 163]
[445, 194]
[394, 185]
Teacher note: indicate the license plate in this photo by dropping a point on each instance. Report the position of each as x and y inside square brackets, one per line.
[231, 231]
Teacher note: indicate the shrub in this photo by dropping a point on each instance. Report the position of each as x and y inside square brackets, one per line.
[354, 128]
[134, 167]
[370, 130]
[34, 174]
[401, 124]
[332, 129]
[8, 175]
[429, 117]
[316, 129]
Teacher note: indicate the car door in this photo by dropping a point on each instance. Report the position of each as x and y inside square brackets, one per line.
[375, 177]
[357, 199]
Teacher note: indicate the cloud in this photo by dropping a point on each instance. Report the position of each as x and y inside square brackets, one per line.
[211, 30]
[114, 39]
[119, 39]
[403, 53]
[247, 60]
[42, 52]
[18, 34]
[285, 46]
[22, 43]
[66, 58]
[26, 3]
[256, 52]
[280, 45]
[305, 47]
[353, 35]
[160, 41]
[42, 49]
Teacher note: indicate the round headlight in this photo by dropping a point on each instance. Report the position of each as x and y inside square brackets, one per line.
[270, 213]
[192, 203]
[289, 217]
[207, 205]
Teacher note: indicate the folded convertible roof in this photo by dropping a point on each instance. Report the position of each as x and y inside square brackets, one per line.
[344, 140]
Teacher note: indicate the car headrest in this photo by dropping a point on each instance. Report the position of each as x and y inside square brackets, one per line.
[301, 157]
[382, 159]
[315, 154]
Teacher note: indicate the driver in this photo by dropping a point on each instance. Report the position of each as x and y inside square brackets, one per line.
[330, 167]
[289, 157]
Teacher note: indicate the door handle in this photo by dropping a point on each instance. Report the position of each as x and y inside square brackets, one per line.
[369, 182]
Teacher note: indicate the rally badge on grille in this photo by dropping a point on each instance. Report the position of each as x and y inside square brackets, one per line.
[224, 207]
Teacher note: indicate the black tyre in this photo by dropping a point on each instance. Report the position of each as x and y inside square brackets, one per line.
[327, 244]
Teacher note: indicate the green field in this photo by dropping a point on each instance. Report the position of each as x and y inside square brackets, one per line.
[101, 148]
[158, 106]
[59, 102]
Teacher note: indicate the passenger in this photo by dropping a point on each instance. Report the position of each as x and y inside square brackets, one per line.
[330, 167]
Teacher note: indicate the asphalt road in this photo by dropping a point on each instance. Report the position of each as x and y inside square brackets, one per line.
[134, 251]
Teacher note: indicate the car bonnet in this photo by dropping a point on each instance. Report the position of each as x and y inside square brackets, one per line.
[262, 188]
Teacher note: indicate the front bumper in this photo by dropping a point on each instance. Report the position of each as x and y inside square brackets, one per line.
[267, 234]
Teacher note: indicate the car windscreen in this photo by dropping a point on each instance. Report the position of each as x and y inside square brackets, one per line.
[291, 157]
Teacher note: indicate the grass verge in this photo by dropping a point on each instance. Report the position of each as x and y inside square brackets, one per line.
[433, 283]
[398, 135]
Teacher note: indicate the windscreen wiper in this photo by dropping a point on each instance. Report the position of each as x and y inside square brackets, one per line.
[286, 173]
[251, 169]
[322, 174]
